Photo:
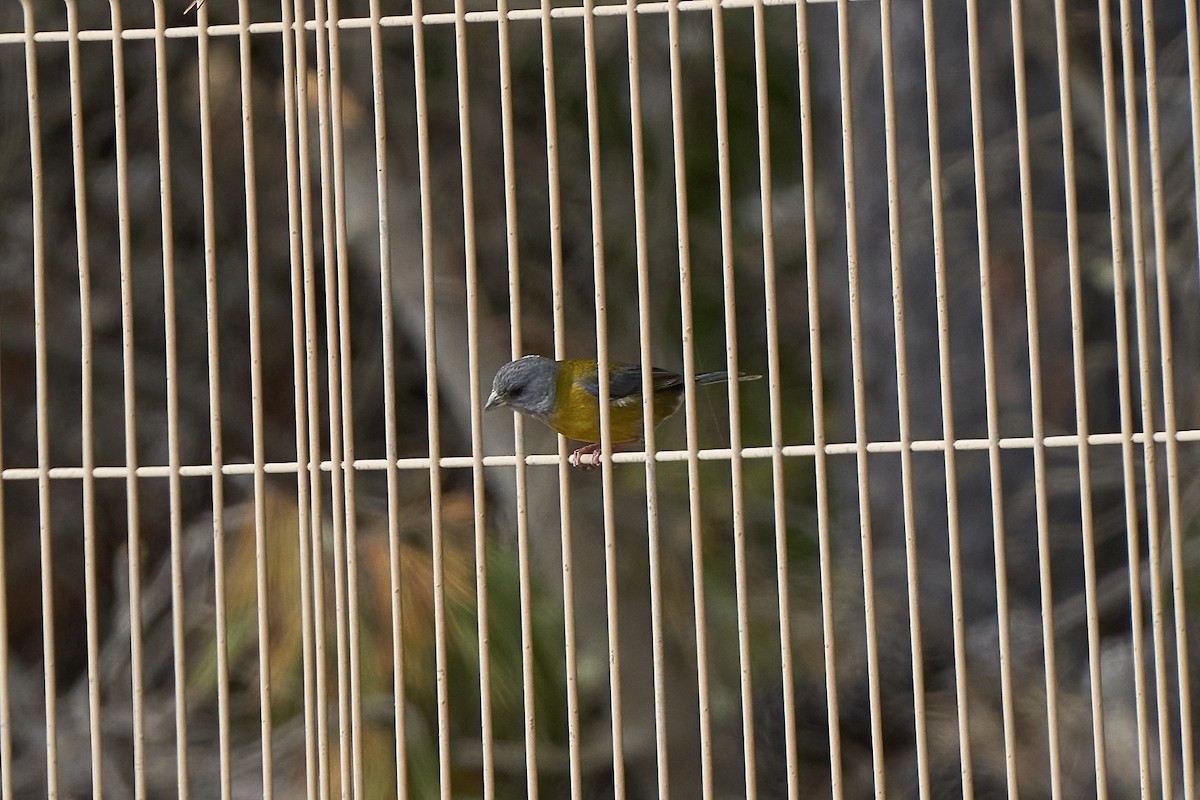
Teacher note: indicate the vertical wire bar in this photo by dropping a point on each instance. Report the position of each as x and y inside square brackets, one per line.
[37, 197]
[388, 341]
[312, 371]
[471, 269]
[679, 155]
[46, 534]
[333, 356]
[859, 394]
[295, 157]
[554, 191]
[511, 236]
[654, 544]
[735, 426]
[1193, 51]
[88, 444]
[349, 560]
[775, 396]
[606, 443]
[6, 791]
[1033, 335]
[1161, 277]
[1146, 392]
[1079, 368]
[172, 388]
[902, 400]
[129, 400]
[424, 168]
[1125, 398]
[216, 451]
[253, 299]
[816, 371]
[991, 400]
[954, 536]
[42, 434]
[6, 748]
[1178, 575]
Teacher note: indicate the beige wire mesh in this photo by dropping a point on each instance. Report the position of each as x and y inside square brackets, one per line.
[260, 261]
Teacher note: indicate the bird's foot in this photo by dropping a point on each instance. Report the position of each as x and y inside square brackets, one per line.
[592, 450]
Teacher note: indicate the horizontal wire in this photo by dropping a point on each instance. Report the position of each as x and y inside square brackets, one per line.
[397, 20]
[632, 457]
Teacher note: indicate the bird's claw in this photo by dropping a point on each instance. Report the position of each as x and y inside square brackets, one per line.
[577, 458]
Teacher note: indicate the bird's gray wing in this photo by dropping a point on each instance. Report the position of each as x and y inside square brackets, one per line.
[625, 382]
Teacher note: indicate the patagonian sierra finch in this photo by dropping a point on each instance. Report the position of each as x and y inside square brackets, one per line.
[565, 396]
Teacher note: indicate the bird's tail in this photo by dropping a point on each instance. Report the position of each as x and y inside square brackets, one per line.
[721, 376]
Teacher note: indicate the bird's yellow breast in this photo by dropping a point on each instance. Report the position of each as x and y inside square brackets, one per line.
[577, 411]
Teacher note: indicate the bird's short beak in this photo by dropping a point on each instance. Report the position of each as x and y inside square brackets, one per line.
[492, 402]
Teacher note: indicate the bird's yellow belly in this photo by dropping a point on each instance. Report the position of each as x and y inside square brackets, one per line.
[579, 416]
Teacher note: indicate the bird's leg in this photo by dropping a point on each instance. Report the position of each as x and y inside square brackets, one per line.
[592, 450]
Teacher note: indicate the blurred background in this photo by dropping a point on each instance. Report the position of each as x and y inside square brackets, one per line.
[1127, 504]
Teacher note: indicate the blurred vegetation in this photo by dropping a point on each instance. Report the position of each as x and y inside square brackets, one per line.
[375, 634]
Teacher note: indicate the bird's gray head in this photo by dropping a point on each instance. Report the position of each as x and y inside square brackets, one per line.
[526, 385]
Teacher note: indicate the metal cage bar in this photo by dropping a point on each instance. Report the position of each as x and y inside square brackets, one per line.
[859, 396]
[920, 725]
[1082, 425]
[645, 326]
[476, 422]
[1037, 402]
[816, 367]
[216, 451]
[992, 403]
[308, 519]
[946, 398]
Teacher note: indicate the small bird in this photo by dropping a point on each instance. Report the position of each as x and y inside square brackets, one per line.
[565, 395]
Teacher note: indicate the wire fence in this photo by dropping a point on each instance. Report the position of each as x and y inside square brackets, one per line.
[259, 262]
